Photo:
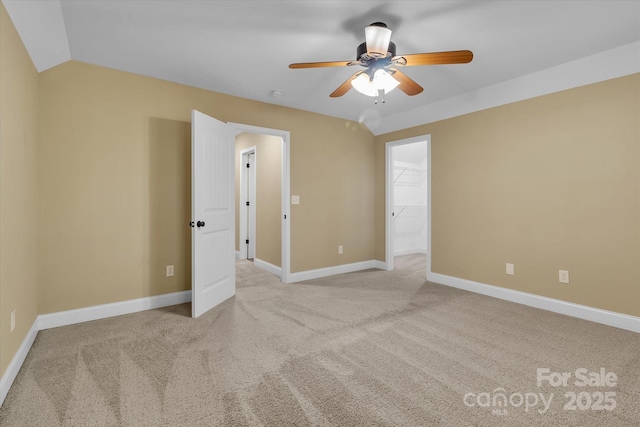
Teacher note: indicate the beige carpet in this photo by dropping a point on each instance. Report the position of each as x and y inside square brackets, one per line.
[360, 349]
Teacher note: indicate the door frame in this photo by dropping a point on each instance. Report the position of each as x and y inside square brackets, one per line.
[242, 215]
[389, 212]
[285, 217]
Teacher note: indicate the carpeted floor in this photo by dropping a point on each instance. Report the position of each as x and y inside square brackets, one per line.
[360, 349]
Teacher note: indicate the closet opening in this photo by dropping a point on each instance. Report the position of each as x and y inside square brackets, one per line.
[408, 201]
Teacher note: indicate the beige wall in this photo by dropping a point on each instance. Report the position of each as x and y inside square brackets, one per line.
[339, 191]
[18, 190]
[268, 194]
[111, 216]
[169, 204]
[548, 183]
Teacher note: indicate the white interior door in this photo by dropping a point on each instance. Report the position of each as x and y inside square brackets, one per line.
[213, 277]
[251, 208]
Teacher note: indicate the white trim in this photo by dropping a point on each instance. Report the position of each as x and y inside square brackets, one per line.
[380, 265]
[389, 229]
[237, 254]
[86, 314]
[607, 65]
[301, 276]
[17, 361]
[286, 209]
[267, 266]
[605, 317]
[285, 190]
[429, 251]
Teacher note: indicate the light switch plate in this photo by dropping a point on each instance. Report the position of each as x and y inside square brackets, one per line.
[295, 200]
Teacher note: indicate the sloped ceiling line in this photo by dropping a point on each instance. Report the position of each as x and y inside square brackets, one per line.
[41, 26]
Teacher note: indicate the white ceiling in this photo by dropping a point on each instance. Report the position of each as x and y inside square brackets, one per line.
[243, 48]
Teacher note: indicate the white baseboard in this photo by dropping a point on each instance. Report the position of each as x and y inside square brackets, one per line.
[301, 276]
[69, 317]
[16, 363]
[410, 252]
[273, 269]
[86, 314]
[605, 317]
[380, 265]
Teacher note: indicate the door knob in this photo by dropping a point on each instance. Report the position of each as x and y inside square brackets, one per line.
[200, 224]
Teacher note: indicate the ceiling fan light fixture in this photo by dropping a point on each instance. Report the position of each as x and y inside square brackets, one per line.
[382, 80]
[377, 37]
[378, 56]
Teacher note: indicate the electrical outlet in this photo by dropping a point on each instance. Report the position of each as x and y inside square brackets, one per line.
[510, 269]
[340, 250]
[295, 200]
[169, 270]
[563, 276]
[13, 320]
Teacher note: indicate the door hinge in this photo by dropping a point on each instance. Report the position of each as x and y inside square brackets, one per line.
[247, 241]
[247, 203]
[285, 217]
[248, 165]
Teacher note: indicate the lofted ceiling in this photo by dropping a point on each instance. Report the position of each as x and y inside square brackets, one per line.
[243, 48]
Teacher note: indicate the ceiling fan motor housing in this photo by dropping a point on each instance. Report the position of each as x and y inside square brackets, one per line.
[373, 64]
[361, 53]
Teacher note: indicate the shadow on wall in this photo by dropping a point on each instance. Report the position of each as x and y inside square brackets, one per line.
[169, 205]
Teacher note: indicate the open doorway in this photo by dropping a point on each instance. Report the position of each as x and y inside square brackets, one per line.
[214, 158]
[262, 196]
[408, 199]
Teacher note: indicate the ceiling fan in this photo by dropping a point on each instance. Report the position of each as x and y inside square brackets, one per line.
[378, 56]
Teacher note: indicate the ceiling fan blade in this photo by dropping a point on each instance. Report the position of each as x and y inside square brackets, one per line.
[344, 87]
[407, 85]
[437, 58]
[320, 64]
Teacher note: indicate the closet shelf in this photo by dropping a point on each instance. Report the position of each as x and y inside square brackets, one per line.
[408, 176]
[398, 209]
[410, 169]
